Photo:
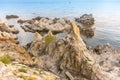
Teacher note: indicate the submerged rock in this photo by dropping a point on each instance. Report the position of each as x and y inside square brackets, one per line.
[11, 16]
[86, 19]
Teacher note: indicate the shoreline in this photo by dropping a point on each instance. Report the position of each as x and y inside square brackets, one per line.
[90, 41]
[61, 57]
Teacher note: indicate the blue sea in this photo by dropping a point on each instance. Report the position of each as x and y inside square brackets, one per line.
[106, 13]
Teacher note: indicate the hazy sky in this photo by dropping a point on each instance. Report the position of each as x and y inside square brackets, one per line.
[59, 0]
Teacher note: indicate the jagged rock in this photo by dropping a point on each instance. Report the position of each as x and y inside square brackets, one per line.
[64, 54]
[25, 21]
[38, 18]
[88, 32]
[16, 71]
[7, 33]
[4, 36]
[86, 19]
[108, 58]
[11, 16]
[14, 52]
[46, 24]
[70, 54]
[14, 61]
[4, 27]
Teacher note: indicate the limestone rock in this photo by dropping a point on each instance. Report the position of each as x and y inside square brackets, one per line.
[46, 24]
[11, 16]
[4, 36]
[14, 52]
[86, 19]
[66, 54]
[87, 32]
[16, 71]
[4, 27]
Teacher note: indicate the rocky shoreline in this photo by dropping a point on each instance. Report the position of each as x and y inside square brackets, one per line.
[51, 57]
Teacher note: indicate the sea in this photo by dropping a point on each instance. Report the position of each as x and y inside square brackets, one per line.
[105, 12]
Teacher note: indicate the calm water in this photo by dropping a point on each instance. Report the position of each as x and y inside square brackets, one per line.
[106, 13]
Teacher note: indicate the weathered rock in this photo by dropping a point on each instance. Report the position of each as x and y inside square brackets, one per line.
[4, 36]
[6, 33]
[108, 59]
[4, 27]
[37, 18]
[88, 32]
[14, 52]
[16, 71]
[86, 19]
[14, 61]
[69, 54]
[47, 24]
[25, 21]
[11, 16]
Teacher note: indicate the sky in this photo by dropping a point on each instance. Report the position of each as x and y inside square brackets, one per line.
[59, 0]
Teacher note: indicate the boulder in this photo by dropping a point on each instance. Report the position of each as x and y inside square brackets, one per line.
[88, 32]
[86, 19]
[4, 36]
[14, 52]
[25, 21]
[4, 27]
[46, 24]
[11, 16]
[7, 32]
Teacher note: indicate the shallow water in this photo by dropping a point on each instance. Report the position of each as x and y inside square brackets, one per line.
[106, 13]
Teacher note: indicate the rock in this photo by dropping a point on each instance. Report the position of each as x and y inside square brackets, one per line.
[25, 21]
[4, 36]
[7, 33]
[16, 71]
[69, 75]
[98, 49]
[15, 61]
[61, 55]
[86, 19]
[4, 27]
[108, 58]
[11, 16]
[69, 54]
[37, 18]
[46, 24]
[14, 52]
[88, 32]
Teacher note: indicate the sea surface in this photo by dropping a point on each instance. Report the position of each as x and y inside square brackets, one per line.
[105, 12]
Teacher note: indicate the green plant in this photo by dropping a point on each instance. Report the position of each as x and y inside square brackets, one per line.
[5, 60]
[48, 39]
[23, 70]
[24, 78]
